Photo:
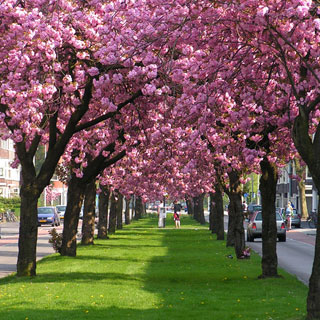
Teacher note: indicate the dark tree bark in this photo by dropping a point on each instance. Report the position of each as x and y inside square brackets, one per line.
[217, 213]
[138, 208]
[268, 184]
[198, 209]
[144, 208]
[196, 214]
[103, 212]
[113, 213]
[309, 151]
[90, 172]
[119, 210]
[71, 217]
[28, 232]
[231, 223]
[190, 205]
[127, 212]
[212, 214]
[236, 229]
[89, 212]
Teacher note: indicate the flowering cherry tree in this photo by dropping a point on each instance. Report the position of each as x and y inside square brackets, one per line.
[66, 66]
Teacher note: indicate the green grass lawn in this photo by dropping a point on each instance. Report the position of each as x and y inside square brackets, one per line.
[144, 272]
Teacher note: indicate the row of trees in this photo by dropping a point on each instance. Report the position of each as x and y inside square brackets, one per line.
[151, 98]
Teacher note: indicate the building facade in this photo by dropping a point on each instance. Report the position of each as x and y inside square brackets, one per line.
[287, 189]
[9, 177]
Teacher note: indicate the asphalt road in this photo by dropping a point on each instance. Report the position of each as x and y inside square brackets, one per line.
[9, 246]
[296, 254]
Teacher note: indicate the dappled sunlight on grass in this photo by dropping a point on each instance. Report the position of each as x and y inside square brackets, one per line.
[143, 272]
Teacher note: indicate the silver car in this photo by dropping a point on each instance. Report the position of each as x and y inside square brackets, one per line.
[254, 228]
[61, 211]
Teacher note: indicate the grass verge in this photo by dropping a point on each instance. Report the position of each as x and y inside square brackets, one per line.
[144, 272]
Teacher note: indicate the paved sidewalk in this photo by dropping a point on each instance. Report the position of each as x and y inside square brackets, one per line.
[9, 246]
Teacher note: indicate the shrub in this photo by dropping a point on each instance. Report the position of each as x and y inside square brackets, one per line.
[55, 240]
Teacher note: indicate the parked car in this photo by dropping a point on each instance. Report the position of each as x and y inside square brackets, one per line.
[48, 215]
[254, 228]
[61, 211]
[153, 207]
[252, 208]
[295, 219]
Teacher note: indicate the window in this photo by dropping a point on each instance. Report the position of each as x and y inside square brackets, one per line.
[308, 175]
[4, 144]
[1, 172]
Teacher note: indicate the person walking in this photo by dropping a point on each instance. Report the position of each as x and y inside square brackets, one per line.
[289, 213]
[245, 209]
[177, 207]
[176, 216]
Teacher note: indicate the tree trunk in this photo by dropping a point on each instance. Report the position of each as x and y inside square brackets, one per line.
[103, 213]
[138, 208]
[313, 300]
[144, 210]
[190, 206]
[239, 241]
[133, 206]
[198, 211]
[216, 200]
[71, 218]
[301, 173]
[89, 210]
[309, 151]
[236, 213]
[113, 214]
[201, 209]
[231, 224]
[303, 199]
[127, 212]
[268, 184]
[28, 233]
[212, 214]
[119, 210]
[196, 214]
[202, 218]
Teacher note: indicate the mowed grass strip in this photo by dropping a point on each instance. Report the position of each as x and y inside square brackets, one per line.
[144, 272]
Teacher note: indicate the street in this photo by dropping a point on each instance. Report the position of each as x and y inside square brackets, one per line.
[9, 246]
[295, 255]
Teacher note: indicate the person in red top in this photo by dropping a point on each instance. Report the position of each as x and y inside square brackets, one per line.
[176, 215]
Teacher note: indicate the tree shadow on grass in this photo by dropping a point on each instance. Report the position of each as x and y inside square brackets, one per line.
[78, 277]
[178, 278]
[84, 312]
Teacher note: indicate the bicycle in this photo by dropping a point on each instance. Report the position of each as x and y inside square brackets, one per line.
[312, 220]
[10, 217]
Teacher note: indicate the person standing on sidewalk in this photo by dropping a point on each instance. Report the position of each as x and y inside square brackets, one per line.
[289, 213]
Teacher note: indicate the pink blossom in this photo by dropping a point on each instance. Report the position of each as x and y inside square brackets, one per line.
[93, 71]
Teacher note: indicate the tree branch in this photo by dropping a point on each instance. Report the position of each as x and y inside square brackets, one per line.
[109, 114]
